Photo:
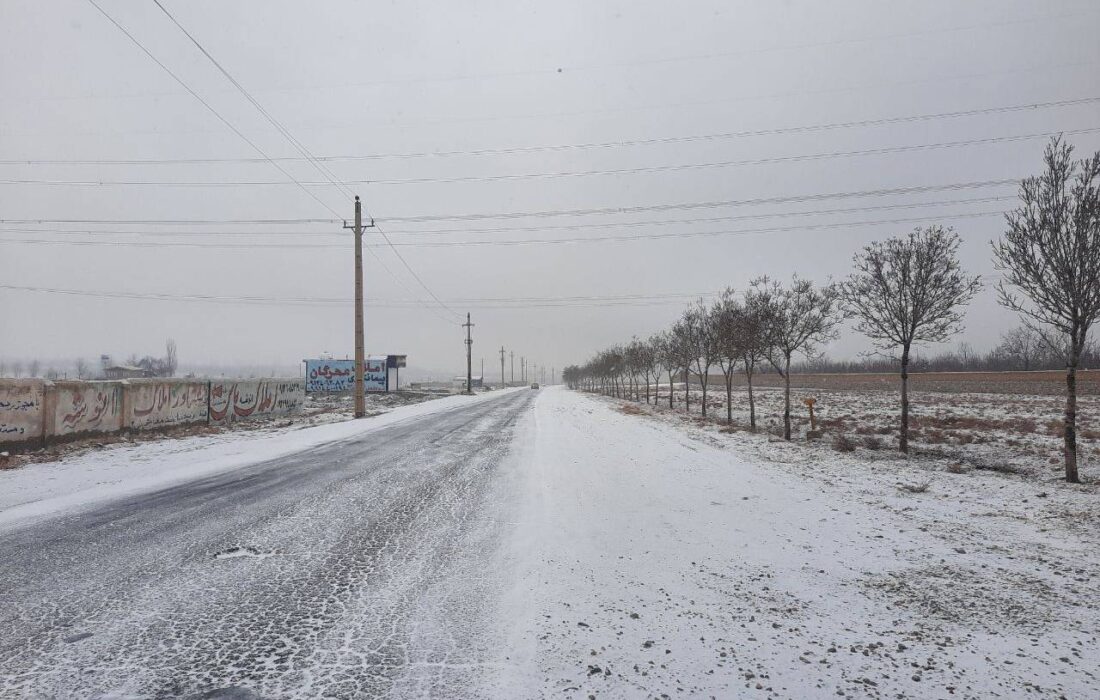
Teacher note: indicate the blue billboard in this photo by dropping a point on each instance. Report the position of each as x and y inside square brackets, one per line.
[339, 375]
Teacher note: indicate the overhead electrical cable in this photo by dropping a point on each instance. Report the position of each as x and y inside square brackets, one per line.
[225, 121]
[712, 204]
[552, 213]
[482, 302]
[301, 148]
[254, 247]
[298, 145]
[517, 229]
[567, 174]
[576, 146]
[207, 105]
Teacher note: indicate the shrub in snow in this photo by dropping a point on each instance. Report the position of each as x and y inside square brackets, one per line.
[843, 443]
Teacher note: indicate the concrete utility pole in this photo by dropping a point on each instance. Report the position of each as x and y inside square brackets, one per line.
[512, 355]
[469, 361]
[360, 358]
[502, 365]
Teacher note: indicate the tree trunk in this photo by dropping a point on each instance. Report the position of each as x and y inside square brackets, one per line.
[752, 401]
[704, 379]
[903, 439]
[1071, 414]
[671, 395]
[687, 391]
[729, 396]
[786, 397]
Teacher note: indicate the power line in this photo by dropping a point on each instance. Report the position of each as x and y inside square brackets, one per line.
[551, 213]
[176, 222]
[493, 302]
[298, 145]
[206, 104]
[516, 229]
[580, 146]
[518, 242]
[302, 149]
[236, 130]
[568, 174]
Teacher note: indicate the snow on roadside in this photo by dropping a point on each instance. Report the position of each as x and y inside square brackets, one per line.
[122, 469]
[653, 560]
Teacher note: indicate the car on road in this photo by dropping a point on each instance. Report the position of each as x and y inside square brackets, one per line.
[534, 385]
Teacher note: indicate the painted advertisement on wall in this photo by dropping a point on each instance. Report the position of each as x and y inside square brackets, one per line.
[21, 407]
[87, 407]
[161, 403]
[339, 375]
[239, 400]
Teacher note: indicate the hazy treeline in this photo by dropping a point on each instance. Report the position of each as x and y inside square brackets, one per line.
[1020, 350]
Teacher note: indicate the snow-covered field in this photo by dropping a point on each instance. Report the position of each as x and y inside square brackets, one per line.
[657, 556]
[1021, 433]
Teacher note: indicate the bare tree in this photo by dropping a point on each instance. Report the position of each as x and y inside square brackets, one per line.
[669, 358]
[1022, 346]
[1051, 258]
[653, 357]
[909, 290]
[753, 333]
[35, 368]
[799, 317]
[171, 358]
[17, 369]
[725, 318]
[82, 371]
[682, 349]
[697, 333]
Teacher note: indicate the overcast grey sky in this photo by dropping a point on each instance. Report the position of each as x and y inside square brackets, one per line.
[361, 79]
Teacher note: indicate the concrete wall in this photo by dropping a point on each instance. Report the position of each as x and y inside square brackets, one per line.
[22, 411]
[34, 412]
[83, 408]
[157, 403]
[232, 400]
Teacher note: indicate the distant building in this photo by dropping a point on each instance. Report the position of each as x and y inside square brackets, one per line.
[475, 381]
[127, 372]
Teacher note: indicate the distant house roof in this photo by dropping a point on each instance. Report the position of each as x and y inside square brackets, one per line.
[127, 372]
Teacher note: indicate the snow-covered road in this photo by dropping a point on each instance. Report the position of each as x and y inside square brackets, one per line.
[539, 544]
[348, 570]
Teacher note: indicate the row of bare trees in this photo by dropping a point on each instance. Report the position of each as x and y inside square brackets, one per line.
[770, 323]
[903, 291]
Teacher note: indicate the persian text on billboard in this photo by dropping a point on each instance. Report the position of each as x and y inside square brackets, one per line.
[339, 375]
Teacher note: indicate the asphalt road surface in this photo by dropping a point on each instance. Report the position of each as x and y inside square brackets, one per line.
[360, 568]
